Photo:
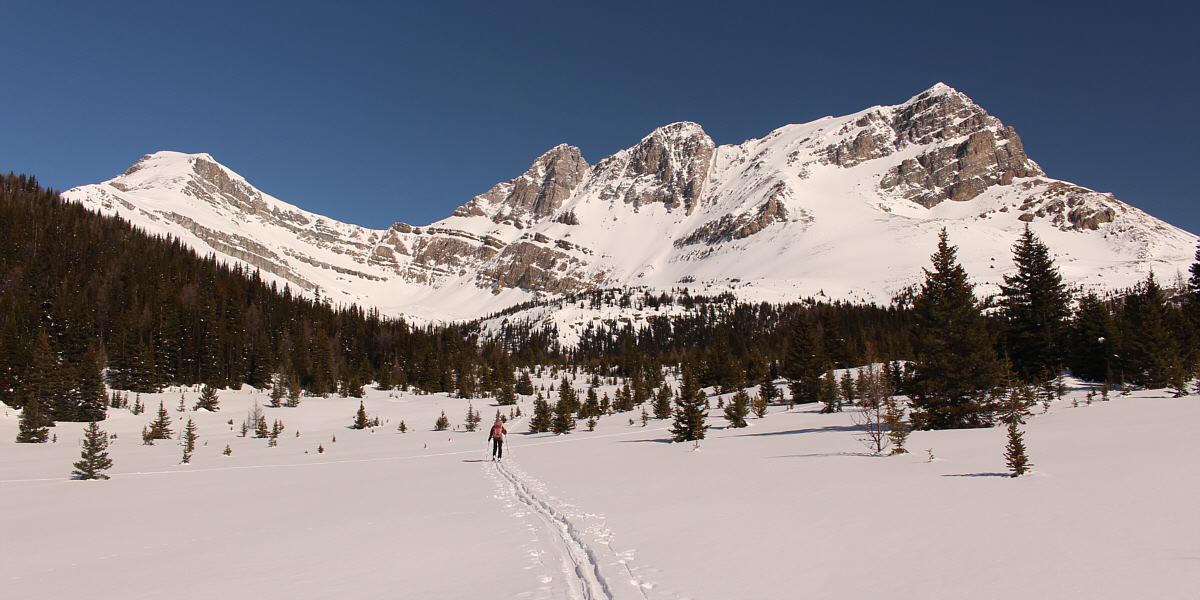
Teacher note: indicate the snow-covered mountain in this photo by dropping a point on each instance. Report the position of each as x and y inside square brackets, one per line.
[842, 207]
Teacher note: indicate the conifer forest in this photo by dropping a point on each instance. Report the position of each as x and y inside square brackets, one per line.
[87, 301]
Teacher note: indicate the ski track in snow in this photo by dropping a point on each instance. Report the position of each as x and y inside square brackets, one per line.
[588, 564]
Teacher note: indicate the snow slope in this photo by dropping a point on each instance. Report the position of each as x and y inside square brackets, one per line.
[846, 207]
[792, 506]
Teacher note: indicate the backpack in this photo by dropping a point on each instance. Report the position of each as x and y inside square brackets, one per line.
[497, 431]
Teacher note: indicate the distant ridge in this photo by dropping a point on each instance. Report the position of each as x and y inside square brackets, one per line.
[843, 207]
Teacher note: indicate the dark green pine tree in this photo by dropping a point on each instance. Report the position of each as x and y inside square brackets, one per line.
[691, 407]
[767, 390]
[1092, 340]
[160, 427]
[507, 395]
[805, 362]
[568, 399]
[1149, 353]
[1035, 305]
[1192, 308]
[662, 402]
[542, 418]
[442, 423]
[955, 362]
[563, 420]
[90, 387]
[737, 409]
[1014, 452]
[189, 441]
[591, 406]
[211, 402]
[93, 459]
[36, 392]
[525, 384]
[362, 422]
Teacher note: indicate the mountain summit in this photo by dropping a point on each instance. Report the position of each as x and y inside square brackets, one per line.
[842, 207]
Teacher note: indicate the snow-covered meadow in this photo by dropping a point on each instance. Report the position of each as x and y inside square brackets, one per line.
[793, 506]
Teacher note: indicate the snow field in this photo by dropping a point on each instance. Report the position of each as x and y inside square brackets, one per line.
[792, 506]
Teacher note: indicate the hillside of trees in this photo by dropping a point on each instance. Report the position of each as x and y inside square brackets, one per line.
[84, 296]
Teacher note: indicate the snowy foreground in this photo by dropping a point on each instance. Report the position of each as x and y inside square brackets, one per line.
[791, 507]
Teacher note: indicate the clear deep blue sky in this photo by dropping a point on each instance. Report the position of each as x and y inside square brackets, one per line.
[376, 112]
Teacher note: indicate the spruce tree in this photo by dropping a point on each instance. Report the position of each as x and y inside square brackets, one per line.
[90, 389]
[805, 363]
[360, 418]
[473, 418]
[160, 427]
[1093, 341]
[442, 423]
[507, 395]
[189, 441]
[525, 384]
[1035, 305]
[93, 459]
[662, 402]
[767, 389]
[737, 409]
[956, 363]
[563, 420]
[1014, 452]
[1149, 353]
[690, 410]
[37, 391]
[210, 402]
[34, 426]
[542, 418]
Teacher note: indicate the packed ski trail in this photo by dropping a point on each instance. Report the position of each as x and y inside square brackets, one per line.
[580, 572]
[587, 567]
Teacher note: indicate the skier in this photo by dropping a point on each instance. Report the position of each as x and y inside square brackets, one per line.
[497, 438]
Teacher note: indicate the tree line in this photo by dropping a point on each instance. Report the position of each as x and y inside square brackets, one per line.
[84, 296]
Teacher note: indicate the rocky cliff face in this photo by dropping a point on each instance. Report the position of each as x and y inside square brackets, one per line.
[537, 194]
[848, 207]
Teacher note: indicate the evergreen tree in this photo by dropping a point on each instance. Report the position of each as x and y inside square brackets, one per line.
[662, 402]
[1014, 452]
[34, 426]
[591, 406]
[846, 388]
[563, 420]
[768, 391]
[542, 418]
[90, 390]
[806, 362]
[360, 418]
[525, 384]
[1035, 305]
[278, 390]
[160, 427]
[209, 400]
[956, 362]
[36, 394]
[828, 394]
[568, 399]
[1013, 412]
[737, 409]
[93, 459]
[473, 418]
[507, 395]
[690, 410]
[1192, 307]
[1093, 340]
[189, 441]
[1149, 353]
[442, 423]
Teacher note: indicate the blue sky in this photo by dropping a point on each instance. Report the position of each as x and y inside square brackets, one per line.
[377, 112]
